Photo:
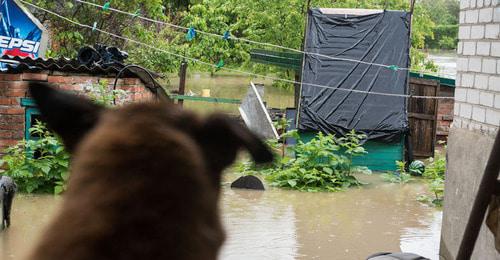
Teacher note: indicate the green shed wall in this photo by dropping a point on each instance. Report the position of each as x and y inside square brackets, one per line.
[381, 156]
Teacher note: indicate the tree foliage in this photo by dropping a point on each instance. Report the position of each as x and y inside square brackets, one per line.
[279, 22]
[444, 13]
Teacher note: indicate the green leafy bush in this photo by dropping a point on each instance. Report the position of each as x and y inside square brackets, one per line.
[399, 176]
[40, 165]
[323, 164]
[435, 175]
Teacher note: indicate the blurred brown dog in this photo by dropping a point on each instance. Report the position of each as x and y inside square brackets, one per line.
[145, 179]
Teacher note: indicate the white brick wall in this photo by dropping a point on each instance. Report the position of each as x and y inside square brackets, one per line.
[475, 64]
[477, 94]
[477, 32]
[489, 66]
[469, 48]
[486, 99]
[483, 48]
[494, 84]
[497, 101]
[481, 81]
[492, 31]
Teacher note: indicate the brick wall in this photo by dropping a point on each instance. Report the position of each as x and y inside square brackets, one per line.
[476, 121]
[445, 113]
[477, 106]
[13, 87]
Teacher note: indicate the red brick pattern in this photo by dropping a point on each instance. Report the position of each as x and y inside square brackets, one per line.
[13, 87]
[445, 113]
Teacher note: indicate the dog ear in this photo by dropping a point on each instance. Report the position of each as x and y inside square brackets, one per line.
[70, 116]
[222, 137]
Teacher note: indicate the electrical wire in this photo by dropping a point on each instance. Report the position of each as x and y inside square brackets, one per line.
[391, 67]
[224, 68]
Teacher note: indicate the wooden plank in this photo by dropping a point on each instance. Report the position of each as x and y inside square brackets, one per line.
[442, 81]
[422, 116]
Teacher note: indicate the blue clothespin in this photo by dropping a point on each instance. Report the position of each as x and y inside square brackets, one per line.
[226, 36]
[191, 34]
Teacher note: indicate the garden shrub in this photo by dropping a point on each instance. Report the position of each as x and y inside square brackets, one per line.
[399, 176]
[434, 174]
[323, 164]
[41, 165]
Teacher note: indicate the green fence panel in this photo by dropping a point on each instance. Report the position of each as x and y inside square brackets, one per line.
[381, 156]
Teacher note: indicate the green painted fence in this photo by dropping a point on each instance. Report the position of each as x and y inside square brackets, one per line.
[380, 157]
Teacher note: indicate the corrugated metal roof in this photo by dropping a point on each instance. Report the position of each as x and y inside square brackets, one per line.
[26, 64]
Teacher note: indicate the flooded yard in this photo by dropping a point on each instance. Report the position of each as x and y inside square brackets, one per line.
[282, 224]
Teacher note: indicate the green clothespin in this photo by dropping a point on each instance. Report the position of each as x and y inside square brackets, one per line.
[220, 64]
[106, 6]
[137, 12]
[393, 67]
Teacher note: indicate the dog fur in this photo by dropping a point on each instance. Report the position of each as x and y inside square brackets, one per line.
[8, 189]
[145, 179]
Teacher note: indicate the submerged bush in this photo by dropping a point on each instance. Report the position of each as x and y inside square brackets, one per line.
[323, 164]
[434, 174]
[399, 176]
[39, 165]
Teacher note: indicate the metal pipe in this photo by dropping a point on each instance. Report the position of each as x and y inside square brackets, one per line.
[487, 189]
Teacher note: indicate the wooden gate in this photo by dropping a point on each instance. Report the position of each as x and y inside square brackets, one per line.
[422, 114]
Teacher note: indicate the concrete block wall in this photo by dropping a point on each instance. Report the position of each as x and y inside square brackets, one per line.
[477, 105]
[476, 122]
[13, 87]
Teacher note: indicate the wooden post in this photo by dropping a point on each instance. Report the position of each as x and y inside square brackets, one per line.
[298, 73]
[182, 81]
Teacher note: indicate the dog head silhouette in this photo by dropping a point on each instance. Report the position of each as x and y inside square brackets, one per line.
[145, 178]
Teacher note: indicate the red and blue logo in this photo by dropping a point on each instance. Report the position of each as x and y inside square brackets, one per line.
[19, 35]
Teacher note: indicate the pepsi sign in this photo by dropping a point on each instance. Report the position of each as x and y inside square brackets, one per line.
[21, 34]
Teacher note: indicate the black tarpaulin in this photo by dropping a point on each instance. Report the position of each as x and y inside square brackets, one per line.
[378, 37]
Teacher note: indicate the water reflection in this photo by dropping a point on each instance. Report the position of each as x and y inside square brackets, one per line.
[279, 224]
[347, 225]
[230, 87]
[30, 214]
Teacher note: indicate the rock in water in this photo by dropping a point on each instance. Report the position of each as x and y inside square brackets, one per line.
[248, 182]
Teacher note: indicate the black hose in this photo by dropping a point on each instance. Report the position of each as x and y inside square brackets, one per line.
[153, 89]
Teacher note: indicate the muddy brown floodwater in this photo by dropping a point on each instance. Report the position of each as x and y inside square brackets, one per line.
[282, 224]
